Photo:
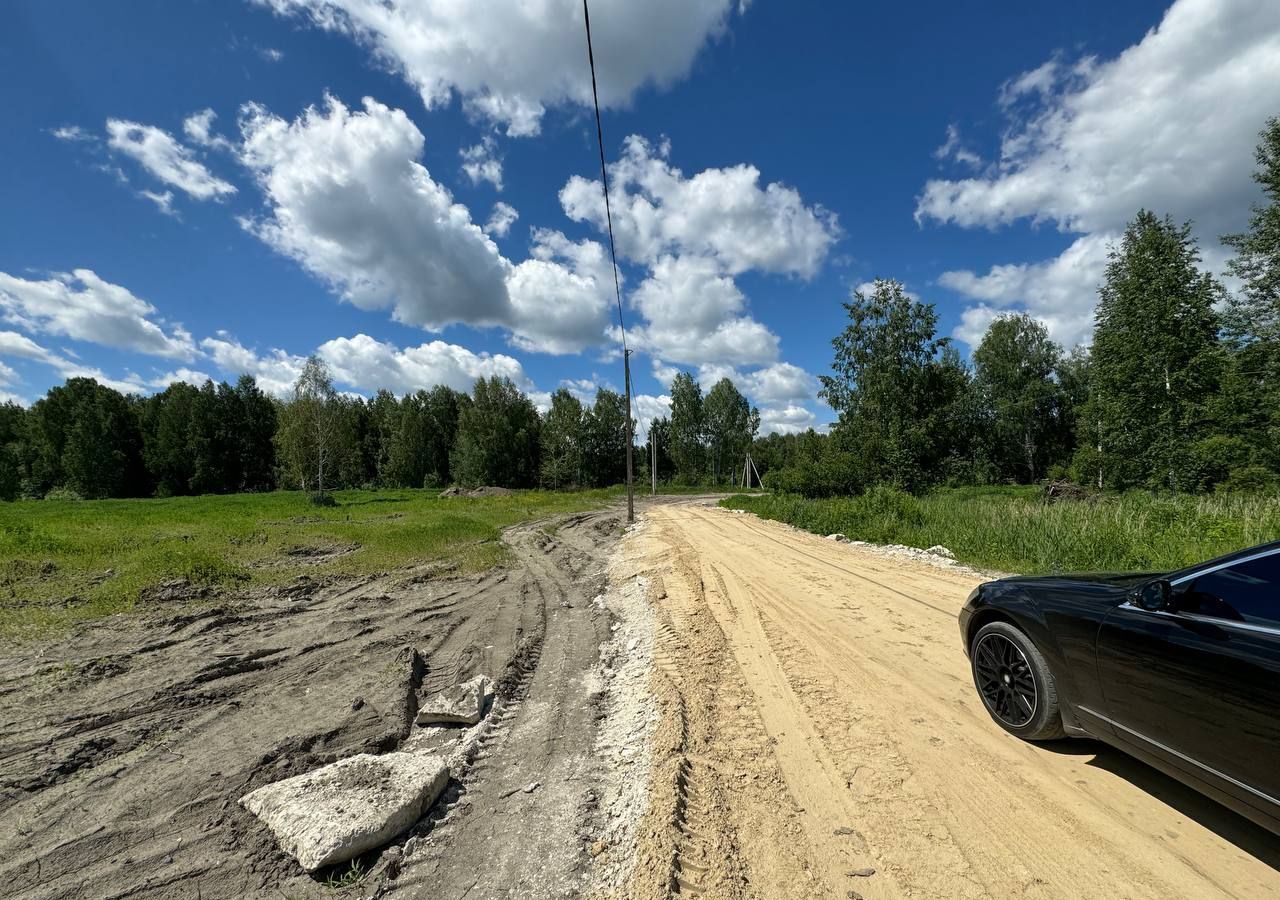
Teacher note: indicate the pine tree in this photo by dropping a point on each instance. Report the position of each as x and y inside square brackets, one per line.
[1254, 314]
[442, 407]
[256, 445]
[1249, 403]
[13, 437]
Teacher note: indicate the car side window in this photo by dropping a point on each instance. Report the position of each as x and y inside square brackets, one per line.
[1246, 592]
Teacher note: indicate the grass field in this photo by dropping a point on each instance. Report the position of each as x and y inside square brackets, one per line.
[1013, 529]
[68, 561]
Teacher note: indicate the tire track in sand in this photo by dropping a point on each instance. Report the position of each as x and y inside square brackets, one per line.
[828, 708]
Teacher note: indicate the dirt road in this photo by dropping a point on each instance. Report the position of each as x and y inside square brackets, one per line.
[820, 737]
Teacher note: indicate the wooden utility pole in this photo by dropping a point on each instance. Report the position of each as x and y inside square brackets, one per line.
[631, 500]
[653, 459]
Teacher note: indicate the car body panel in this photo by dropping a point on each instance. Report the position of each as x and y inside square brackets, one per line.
[1120, 669]
[1201, 693]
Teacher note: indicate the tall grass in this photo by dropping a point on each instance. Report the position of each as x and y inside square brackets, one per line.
[1015, 530]
[63, 561]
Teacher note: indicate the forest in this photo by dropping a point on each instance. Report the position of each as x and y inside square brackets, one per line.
[1179, 392]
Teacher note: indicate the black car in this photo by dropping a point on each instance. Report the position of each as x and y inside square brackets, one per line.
[1180, 669]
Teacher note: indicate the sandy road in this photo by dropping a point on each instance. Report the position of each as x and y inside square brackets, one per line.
[819, 723]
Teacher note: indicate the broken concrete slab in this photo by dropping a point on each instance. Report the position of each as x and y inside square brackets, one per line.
[339, 811]
[461, 704]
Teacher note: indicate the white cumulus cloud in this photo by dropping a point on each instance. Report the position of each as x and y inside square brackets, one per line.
[367, 364]
[82, 306]
[364, 364]
[349, 201]
[510, 60]
[166, 159]
[694, 314]
[1061, 292]
[504, 215]
[724, 214]
[480, 162]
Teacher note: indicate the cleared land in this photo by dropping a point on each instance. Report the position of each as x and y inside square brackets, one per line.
[821, 738]
[63, 562]
[126, 742]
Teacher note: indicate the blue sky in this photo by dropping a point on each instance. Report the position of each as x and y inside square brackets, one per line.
[195, 188]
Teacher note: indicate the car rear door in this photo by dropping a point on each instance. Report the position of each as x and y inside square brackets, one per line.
[1199, 685]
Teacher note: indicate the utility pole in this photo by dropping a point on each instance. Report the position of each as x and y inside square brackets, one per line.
[653, 459]
[631, 500]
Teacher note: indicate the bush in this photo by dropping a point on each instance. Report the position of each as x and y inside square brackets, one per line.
[1210, 461]
[832, 474]
[323, 499]
[63, 493]
[1250, 480]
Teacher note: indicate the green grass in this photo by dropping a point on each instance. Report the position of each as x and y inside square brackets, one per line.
[63, 562]
[345, 878]
[1013, 529]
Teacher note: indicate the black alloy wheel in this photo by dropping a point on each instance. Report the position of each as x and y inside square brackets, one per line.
[1015, 682]
[1005, 680]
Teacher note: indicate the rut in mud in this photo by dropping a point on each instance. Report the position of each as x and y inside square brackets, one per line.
[125, 746]
[820, 737]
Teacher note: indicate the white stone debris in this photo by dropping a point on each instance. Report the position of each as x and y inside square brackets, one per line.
[339, 811]
[461, 704]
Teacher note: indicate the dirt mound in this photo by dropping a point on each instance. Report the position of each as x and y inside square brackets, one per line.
[1066, 490]
[315, 555]
[484, 491]
[175, 590]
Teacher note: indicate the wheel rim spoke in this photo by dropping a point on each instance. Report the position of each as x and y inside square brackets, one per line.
[1005, 680]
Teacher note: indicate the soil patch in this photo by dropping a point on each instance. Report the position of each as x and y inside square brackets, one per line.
[484, 491]
[125, 744]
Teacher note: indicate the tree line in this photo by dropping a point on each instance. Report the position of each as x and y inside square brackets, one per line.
[1180, 390]
[84, 439]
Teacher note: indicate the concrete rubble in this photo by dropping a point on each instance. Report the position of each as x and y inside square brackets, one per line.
[337, 812]
[461, 704]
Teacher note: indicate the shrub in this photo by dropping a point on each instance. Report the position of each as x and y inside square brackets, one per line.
[1250, 480]
[63, 493]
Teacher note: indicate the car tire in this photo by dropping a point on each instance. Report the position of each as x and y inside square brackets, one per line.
[1004, 662]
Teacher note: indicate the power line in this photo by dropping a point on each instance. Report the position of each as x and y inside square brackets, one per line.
[604, 175]
[613, 257]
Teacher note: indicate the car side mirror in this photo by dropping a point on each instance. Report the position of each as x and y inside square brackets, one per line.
[1154, 596]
